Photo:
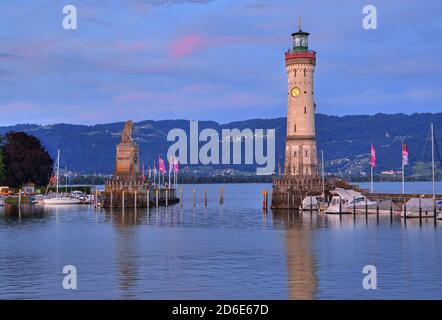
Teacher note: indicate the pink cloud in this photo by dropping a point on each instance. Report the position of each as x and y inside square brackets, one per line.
[188, 46]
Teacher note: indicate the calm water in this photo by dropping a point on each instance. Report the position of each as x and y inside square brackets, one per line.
[232, 251]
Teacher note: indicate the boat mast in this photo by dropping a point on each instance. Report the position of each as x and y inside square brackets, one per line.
[323, 173]
[58, 170]
[432, 161]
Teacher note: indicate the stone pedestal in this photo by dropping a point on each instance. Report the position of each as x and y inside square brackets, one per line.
[127, 188]
[288, 192]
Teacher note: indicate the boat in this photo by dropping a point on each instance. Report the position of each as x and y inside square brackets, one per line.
[350, 201]
[425, 207]
[61, 200]
[58, 198]
[421, 207]
[341, 199]
[310, 203]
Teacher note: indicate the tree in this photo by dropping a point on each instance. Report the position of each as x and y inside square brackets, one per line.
[25, 159]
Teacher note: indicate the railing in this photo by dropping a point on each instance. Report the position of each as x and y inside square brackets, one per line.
[300, 54]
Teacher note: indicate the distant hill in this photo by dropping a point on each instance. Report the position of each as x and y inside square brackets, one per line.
[345, 140]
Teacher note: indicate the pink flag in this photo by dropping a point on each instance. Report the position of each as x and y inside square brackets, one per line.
[405, 161]
[373, 157]
[161, 165]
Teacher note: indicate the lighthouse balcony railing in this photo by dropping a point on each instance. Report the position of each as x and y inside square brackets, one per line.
[300, 54]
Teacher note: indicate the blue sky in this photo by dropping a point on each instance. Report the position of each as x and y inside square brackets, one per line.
[217, 60]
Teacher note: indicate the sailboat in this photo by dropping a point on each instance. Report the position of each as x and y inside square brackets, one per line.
[424, 207]
[59, 198]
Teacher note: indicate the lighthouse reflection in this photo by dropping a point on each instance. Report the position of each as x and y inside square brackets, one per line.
[301, 267]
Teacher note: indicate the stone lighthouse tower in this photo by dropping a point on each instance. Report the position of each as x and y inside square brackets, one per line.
[301, 175]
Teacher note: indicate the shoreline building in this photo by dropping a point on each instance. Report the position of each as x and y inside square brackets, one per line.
[301, 175]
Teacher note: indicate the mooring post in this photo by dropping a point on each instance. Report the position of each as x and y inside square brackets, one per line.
[148, 198]
[340, 205]
[311, 204]
[156, 198]
[221, 195]
[135, 198]
[420, 210]
[288, 200]
[405, 213]
[194, 197]
[205, 197]
[435, 213]
[267, 199]
[354, 206]
[122, 199]
[167, 197]
[181, 196]
[391, 211]
[111, 199]
[19, 199]
[366, 206]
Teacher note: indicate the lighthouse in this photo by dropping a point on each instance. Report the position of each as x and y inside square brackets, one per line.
[301, 175]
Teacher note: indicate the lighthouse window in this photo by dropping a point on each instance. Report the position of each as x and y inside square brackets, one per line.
[305, 72]
[295, 72]
[305, 110]
[295, 128]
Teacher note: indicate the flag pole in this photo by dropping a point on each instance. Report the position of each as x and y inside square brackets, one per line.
[432, 162]
[403, 169]
[323, 173]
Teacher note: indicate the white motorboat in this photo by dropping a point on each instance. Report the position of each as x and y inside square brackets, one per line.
[421, 207]
[348, 201]
[341, 199]
[311, 203]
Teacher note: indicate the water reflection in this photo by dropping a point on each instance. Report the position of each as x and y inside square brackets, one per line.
[302, 281]
[25, 212]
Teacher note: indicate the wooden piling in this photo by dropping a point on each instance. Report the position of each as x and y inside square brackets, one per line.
[264, 200]
[19, 199]
[135, 198]
[112, 199]
[181, 196]
[205, 197]
[340, 205]
[194, 197]
[156, 198]
[354, 206]
[122, 199]
[391, 212]
[167, 197]
[148, 198]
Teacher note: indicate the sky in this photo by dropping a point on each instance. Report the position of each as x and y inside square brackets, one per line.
[219, 60]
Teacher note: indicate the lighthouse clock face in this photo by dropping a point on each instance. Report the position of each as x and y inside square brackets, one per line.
[295, 92]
